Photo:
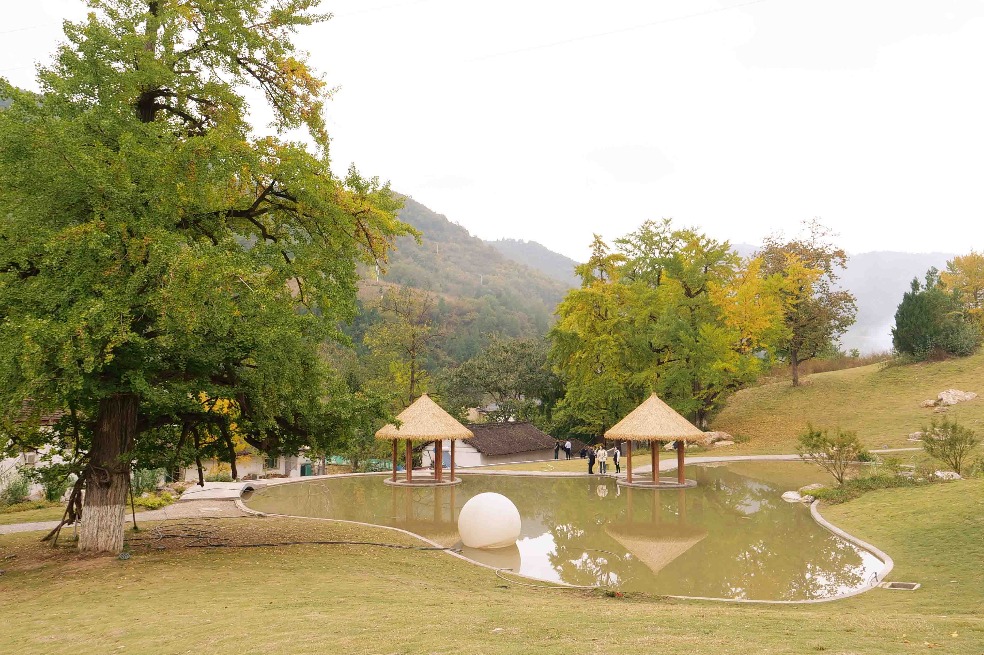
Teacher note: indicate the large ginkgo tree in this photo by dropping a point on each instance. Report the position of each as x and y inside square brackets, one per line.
[158, 253]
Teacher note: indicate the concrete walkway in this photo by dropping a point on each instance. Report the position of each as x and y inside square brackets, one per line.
[215, 491]
[194, 509]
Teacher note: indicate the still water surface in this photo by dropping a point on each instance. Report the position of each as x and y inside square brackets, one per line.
[730, 537]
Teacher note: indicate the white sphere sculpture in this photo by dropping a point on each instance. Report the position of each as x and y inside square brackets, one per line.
[489, 520]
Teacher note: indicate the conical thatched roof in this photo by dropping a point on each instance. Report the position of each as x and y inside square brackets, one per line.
[656, 545]
[654, 419]
[424, 420]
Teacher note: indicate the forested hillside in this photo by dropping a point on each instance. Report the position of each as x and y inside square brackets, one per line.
[538, 256]
[478, 291]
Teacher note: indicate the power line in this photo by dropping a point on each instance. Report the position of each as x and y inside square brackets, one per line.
[621, 30]
[30, 27]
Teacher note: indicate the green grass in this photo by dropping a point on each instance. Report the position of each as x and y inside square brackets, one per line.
[36, 511]
[880, 402]
[359, 599]
[31, 512]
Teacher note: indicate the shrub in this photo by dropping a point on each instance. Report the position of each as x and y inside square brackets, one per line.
[838, 454]
[17, 490]
[155, 500]
[55, 487]
[146, 480]
[949, 442]
[851, 489]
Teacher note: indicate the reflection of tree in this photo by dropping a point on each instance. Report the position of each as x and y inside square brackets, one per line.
[774, 550]
[756, 546]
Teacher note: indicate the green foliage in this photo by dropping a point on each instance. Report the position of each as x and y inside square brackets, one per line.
[514, 375]
[155, 500]
[146, 480]
[815, 312]
[931, 319]
[673, 312]
[839, 454]
[363, 451]
[16, 489]
[401, 343]
[853, 488]
[56, 487]
[485, 293]
[949, 442]
[26, 506]
[155, 249]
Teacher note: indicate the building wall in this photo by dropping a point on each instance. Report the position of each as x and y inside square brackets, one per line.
[466, 456]
[11, 466]
[257, 466]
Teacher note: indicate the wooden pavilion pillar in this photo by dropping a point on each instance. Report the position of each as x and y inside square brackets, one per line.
[409, 459]
[628, 464]
[394, 460]
[452, 468]
[681, 448]
[654, 448]
[438, 460]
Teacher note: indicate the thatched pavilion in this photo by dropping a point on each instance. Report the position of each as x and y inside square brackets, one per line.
[657, 422]
[424, 420]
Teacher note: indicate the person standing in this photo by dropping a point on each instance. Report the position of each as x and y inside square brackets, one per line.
[616, 459]
[602, 460]
[567, 448]
[557, 450]
[591, 460]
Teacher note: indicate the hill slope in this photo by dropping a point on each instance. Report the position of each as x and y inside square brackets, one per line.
[880, 402]
[481, 292]
[536, 255]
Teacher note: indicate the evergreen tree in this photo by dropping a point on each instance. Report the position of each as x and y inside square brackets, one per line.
[931, 319]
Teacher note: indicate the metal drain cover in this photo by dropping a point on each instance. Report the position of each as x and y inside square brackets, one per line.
[905, 586]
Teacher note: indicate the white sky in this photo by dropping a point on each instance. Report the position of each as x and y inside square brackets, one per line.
[549, 120]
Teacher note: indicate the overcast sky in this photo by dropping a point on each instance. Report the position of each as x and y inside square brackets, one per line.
[550, 121]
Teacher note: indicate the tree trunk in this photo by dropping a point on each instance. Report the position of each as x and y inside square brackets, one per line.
[108, 475]
[794, 362]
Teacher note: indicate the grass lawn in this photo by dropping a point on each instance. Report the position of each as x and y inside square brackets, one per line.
[880, 402]
[362, 599]
[40, 511]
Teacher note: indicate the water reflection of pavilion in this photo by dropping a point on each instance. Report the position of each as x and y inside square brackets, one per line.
[429, 512]
[650, 539]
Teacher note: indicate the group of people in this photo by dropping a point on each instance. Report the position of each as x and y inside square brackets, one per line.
[566, 447]
[592, 454]
[601, 455]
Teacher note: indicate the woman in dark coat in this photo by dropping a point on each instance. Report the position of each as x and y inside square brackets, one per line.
[591, 460]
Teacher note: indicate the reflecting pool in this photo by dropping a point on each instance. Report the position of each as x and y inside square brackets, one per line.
[730, 537]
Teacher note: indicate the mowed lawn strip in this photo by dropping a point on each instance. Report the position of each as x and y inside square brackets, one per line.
[880, 402]
[365, 599]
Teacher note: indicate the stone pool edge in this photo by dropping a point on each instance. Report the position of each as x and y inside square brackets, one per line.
[814, 513]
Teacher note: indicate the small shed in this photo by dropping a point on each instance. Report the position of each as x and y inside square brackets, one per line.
[657, 422]
[424, 420]
[499, 443]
